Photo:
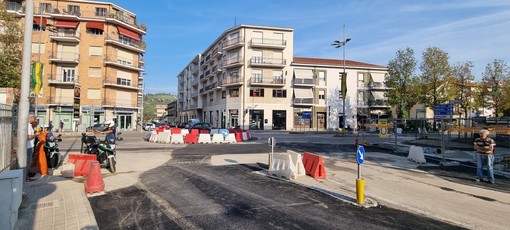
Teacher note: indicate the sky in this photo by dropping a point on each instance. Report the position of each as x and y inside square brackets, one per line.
[468, 30]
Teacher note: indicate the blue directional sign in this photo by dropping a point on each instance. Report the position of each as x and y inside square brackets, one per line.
[443, 111]
[360, 154]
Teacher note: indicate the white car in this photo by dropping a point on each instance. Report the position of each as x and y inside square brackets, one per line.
[149, 126]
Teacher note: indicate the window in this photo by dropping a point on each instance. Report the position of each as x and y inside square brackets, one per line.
[101, 12]
[322, 95]
[278, 77]
[45, 7]
[280, 93]
[94, 31]
[68, 74]
[122, 81]
[223, 94]
[96, 51]
[256, 92]
[256, 76]
[233, 93]
[95, 72]
[73, 9]
[322, 78]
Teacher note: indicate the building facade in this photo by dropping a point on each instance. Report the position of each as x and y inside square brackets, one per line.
[249, 78]
[92, 56]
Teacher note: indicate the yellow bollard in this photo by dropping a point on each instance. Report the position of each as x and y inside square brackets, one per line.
[360, 191]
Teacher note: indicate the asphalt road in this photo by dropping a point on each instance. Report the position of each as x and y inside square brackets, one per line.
[187, 192]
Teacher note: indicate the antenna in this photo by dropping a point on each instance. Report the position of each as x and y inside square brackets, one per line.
[235, 22]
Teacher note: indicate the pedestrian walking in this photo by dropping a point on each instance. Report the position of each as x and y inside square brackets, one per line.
[484, 147]
[61, 126]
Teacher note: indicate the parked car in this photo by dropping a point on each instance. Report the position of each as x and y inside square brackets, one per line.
[149, 126]
[202, 126]
[97, 127]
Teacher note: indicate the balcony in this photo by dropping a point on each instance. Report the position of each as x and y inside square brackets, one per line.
[277, 81]
[64, 35]
[268, 43]
[209, 60]
[233, 43]
[126, 43]
[61, 101]
[120, 18]
[62, 79]
[217, 53]
[216, 70]
[14, 7]
[303, 101]
[194, 93]
[267, 62]
[65, 14]
[123, 64]
[114, 84]
[377, 85]
[120, 103]
[304, 82]
[233, 62]
[232, 81]
[194, 70]
[374, 105]
[65, 57]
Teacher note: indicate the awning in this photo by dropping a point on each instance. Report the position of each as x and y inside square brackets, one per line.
[66, 24]
[378, 95]
[95, 25]
[303, 93]
[129, 33]
[37, 20]
[303, 73]
[377, 77]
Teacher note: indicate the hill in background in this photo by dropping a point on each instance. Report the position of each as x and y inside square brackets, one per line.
[151, 100]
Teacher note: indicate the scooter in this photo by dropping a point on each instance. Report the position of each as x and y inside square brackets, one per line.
[104, 150]
[52, 152]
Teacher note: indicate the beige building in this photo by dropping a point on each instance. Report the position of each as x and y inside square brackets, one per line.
[248, 77]
[91, 53]
[161, 112]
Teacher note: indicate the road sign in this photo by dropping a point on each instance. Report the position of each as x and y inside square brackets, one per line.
[360, 154]
[271, 141]
[443, 111]
[383, 128]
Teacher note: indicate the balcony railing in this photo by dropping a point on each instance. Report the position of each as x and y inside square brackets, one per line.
[233, 43]
[232, 81]
[267, 42]
[64, 79]
[65, 57]
[123, 63]
[124, 86]
[120, 103]
[302, 101]
[377, 85]
[262, 61]
[259, 80]
[232, 62]
[303, 81]
[132, 44]
[126, 19]
[66, 35]
[66, 12]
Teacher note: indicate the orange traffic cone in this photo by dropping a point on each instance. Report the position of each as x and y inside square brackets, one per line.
[94, 182]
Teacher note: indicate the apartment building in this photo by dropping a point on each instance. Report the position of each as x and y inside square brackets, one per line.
[248, 77]
[92, 55]
[240, 80]
[171, 112]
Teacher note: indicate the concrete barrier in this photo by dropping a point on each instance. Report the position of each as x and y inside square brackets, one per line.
[11, 188]
[218, 138]
[154, 137]
[204, 138]
[416, 154]
[177, 139]
[231, 138]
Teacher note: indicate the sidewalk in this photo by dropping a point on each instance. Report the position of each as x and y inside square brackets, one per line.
[55, 202]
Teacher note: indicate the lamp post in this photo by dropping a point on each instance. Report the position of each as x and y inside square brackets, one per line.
[338, 44]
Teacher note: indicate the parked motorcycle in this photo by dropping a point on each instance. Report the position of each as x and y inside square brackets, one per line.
[104, 150]
[51, 150]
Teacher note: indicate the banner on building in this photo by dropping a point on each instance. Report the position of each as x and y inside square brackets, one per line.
[36, 77]
[76, 105]
[344, 84]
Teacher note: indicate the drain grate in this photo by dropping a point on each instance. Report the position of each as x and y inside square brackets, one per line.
[47, 204]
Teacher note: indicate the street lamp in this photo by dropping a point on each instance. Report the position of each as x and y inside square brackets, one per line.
[338, 44]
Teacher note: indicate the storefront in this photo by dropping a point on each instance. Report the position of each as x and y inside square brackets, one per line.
[256, 119]
[92, 115]
[124, 119]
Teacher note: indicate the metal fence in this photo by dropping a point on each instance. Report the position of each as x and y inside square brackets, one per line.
[7, 121]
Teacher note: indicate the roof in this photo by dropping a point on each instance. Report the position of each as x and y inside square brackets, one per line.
[334, 62]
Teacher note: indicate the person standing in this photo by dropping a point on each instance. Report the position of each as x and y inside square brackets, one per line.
[484, 147]
[61, 126]
[30, 145]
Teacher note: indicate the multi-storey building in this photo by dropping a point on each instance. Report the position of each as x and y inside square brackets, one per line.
[92, 56]
[248, 77]
[171, 112]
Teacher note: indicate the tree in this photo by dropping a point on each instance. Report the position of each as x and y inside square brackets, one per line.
[463, 82]
[402, 84]
[435, 69]
[493, 80]
[11, 41]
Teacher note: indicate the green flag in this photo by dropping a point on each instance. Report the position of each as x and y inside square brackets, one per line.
[36, 77]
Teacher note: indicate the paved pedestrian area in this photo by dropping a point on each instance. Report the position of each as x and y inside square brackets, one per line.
[54, 202]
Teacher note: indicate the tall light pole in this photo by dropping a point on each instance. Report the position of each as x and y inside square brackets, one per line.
[338, 44]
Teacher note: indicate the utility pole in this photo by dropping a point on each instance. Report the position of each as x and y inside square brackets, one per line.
[23, 107]
[338, 44]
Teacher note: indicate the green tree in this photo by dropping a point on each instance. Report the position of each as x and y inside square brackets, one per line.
[494, 78]
[402, 85]
[435, 69]
[11, 40]
[462, 80]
